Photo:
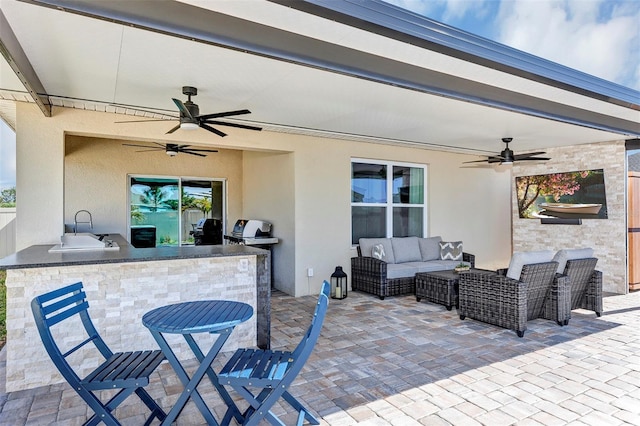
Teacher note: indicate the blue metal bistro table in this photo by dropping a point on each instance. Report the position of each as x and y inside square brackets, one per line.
[210, 316]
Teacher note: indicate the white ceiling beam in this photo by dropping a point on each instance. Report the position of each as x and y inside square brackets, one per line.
[18, 61]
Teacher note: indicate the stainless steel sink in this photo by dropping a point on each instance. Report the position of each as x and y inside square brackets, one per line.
[83, 241]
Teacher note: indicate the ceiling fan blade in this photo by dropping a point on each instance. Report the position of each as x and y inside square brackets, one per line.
[184, 111]
[173, 130]
[530, 154]
[496, 159]
[193, 153]
[224, 114]
[479, 166]
[476, 161]
[489, 159]
[141, 146]
[201, 150]
[532, 159]
[158, 145]
[534, 153]
[211, 129]
[144, 121]
[240, 126]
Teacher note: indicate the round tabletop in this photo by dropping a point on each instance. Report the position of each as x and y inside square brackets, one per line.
[205, 316]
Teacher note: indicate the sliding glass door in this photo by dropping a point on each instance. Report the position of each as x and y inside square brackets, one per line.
[164, 211]
[201, 199]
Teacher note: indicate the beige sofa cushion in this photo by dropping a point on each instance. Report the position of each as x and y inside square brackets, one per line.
[367, 246]
[406, 249]
[519, 259]
[429, 248]
[400, 270]
[435, 265]
[571, 254]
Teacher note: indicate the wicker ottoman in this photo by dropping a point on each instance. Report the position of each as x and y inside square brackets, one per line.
[438, 287]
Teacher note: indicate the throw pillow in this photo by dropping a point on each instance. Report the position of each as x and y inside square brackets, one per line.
[451, 250]
[366, 248]
[430, 248]
[377, 251]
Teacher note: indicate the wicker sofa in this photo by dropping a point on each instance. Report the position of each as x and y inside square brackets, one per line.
[387, 266]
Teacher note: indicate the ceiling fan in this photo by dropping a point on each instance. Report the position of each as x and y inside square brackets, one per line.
[191, 119]
[172, 149]
[508, 157]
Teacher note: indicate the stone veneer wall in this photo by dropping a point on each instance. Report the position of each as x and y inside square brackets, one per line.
[607, 237]
[119, 294]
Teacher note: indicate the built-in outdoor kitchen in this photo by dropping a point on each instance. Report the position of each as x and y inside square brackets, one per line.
[142, 230]
[123, 282]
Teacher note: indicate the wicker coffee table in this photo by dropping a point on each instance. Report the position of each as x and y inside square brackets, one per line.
[440, 286]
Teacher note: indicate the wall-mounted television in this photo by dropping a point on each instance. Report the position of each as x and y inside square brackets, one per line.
[568, 195]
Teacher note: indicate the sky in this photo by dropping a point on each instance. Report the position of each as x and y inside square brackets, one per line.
[7, 156]
[599, 37]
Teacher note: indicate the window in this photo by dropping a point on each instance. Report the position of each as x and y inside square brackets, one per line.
[172, 206]
[387, 200]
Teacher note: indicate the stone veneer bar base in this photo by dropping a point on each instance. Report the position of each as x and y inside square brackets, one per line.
[119, 295]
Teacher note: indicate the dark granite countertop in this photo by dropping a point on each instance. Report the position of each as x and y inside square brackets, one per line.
[38, 256]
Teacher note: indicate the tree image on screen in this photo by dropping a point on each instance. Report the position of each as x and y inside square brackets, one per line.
[570, 194]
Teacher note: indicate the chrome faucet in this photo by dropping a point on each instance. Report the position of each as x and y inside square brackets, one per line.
[75, 221]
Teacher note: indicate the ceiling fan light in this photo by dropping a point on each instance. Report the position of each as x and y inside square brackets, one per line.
[189, 126]
[172, 153]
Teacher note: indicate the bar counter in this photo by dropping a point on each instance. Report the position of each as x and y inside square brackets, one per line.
[121, 286]
[38, 256]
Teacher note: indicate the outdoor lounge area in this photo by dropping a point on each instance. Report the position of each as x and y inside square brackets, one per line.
[404, 362]
[190, 173]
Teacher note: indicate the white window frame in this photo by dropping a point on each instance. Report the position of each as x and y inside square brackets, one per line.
[389, 205]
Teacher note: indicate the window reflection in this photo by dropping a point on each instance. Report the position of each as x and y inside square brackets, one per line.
[408, 185]
[407, 221]
[368, 183]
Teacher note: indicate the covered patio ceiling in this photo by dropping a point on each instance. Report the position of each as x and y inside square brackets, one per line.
[349, 70]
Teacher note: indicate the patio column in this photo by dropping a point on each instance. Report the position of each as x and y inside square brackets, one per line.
[39, 177]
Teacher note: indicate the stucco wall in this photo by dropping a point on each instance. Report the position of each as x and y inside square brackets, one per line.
[269, 194]
[96, 169]
[39, 176]
[300, 183]
[607, 237]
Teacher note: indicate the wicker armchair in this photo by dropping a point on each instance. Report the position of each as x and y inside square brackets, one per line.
[369, 274]
[505, 302]
[586, 285]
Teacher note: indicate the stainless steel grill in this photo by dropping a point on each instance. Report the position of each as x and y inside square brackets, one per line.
[251, 232]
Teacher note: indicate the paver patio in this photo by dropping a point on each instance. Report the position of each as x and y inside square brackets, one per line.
[399, 362]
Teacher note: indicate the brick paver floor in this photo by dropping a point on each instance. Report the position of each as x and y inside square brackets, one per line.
[400, 362]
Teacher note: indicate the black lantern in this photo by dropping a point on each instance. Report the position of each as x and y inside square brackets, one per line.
[338, 284]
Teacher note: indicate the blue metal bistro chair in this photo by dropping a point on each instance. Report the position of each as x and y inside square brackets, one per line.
[127, 371]
[272, 372]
